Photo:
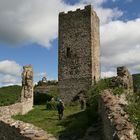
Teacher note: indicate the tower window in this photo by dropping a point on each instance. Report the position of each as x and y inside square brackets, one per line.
[68, 53]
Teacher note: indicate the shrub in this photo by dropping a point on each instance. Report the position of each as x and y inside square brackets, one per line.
[42, 98]
[51, 105]
[118, 90]
[93, 97]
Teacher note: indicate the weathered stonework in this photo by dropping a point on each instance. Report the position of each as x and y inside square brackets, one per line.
[17, 130]
[79, 50]
[123, 79]
[116, 123]
[27, 89]
[27, 83]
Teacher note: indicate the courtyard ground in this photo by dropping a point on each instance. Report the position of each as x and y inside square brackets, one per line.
[72, 126]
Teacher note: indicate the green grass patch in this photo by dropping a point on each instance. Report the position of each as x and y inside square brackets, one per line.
[134, 114]
[74, 122]
[9, 95]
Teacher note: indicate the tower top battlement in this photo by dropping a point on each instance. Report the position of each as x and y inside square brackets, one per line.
[86, 8]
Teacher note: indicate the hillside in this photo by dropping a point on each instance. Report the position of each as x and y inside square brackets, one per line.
[136, 81]
[9, 95]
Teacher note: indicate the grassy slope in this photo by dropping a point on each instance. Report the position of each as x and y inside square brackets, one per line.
[136, 80]
[9, 95]
[134, 108]
[74, 122]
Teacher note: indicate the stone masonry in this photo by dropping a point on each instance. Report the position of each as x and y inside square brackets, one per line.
[116, 123]
[27, 83]
[123, 79]
[79, 51]
[27, 89]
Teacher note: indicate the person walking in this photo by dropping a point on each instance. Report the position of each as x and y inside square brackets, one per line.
[60, 108]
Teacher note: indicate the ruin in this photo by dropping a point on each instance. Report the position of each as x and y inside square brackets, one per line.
[27, 83]
[27, 89]
[79, 51]
[123, 79]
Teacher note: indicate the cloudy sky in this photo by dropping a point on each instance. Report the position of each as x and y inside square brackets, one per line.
[29, 28]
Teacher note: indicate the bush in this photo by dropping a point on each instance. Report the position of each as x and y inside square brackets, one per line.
[133, 110]
[51, 105]
[42, 98]
[118, 90]
[93, 97]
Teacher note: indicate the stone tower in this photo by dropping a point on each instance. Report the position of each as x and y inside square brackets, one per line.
[79, 51]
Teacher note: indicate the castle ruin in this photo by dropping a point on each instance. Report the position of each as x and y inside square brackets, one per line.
[27, 89]
[79, 51]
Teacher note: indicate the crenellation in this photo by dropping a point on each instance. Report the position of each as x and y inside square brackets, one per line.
[79, 10]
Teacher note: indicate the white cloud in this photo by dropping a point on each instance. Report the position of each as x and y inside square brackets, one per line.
[108, 74]
[25, 21]
[36, 21]
[121, 44]
[10, 67]
[41, 74]
[8, 79]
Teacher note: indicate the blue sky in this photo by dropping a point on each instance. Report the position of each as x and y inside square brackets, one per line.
[29, 28]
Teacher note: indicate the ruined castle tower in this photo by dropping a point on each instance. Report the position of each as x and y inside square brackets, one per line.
[79, 51]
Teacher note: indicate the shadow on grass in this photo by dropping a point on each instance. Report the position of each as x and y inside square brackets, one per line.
[75, 126]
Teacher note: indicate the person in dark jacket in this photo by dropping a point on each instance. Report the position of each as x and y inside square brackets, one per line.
[60, 108]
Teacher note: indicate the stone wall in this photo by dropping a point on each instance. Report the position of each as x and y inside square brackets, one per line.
[79, 49]
[10, 110]
[116, 124]
[15, 109]
[17, 130]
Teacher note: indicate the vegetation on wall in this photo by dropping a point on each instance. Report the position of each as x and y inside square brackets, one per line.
[93, 95]
[133, 110]
[9, 95]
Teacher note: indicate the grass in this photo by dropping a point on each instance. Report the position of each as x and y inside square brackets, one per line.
[74, 122]
[9, 95]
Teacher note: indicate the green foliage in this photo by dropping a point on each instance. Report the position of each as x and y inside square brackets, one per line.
[93, 97]
[136, 82]
[42, 98]
[10, 95]
[51, 105]
[93, 93]
[118, 90]
[134, 114]
[52, 82]
[49, 82]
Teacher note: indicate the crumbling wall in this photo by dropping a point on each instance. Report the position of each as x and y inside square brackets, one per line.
[10, 110]
[116, 125]
[123, 79]
[27, 89]
[17, 130]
